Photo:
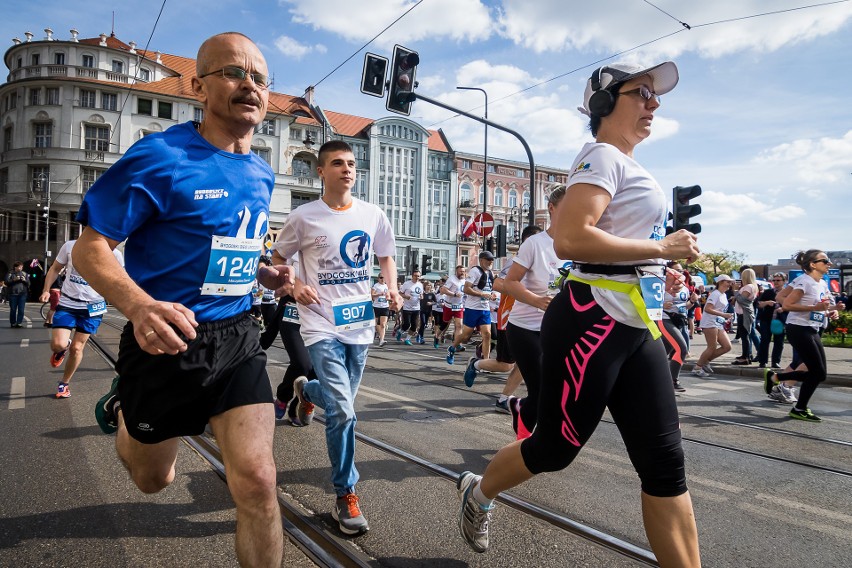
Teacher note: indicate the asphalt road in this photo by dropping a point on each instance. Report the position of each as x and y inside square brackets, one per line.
[66, 501]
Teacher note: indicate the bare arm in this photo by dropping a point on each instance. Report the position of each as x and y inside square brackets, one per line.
[51, 277]
[514, 288]
[791, 303]
[576, 236]
[152, 320]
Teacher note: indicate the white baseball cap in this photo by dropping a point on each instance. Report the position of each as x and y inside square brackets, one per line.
[664, 76]
[723, 278]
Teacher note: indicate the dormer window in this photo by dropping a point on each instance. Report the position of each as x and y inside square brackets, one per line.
[145, 75]
[117, 66]
[88, 61]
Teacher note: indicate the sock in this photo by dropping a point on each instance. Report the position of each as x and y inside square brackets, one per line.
[476, 364]
[483, 501]
[503, 398]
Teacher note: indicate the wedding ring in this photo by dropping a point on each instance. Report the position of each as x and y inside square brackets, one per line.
[149, 334]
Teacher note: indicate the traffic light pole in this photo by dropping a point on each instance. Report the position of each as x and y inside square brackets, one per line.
[412, 96]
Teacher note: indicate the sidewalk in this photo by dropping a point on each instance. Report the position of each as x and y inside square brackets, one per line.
[839, 361]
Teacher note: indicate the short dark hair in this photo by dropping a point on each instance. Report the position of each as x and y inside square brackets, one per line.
[332, 146]
[594, 124]
[530, 231]
[17, 263]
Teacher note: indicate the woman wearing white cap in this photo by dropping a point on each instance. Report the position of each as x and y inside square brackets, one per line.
[713, 326]
[599, 343]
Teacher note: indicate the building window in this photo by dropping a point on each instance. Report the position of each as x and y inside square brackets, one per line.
[297, 199]
[498, 197]
[513, 198]
[87, 98]
[465, 164]
[88, 61]
[7, 138]
[97, 138]
[20, 63]
[164, 110]
[117, 66]
[43, 134]
[34, 59]
[52, 95]
[145, 74]
[301, 168]
[88, 176]
[35, 97]
[59, 58]
[296, 134]
[11, 101]
[527, 199]
[109, 101]
[264, 153]
[144, 106]
[267, 127]
[491, 169]
[464, 192]
[520, 173]
[551, 177]
[481, 195]
[197, 114]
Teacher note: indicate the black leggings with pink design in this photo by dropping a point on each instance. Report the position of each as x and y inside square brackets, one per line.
[591, 362]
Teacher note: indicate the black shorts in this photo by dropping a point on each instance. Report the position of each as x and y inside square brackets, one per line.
[166, 396]
[379, 312]
[504, 352]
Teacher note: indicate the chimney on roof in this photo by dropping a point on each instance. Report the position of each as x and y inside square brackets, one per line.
[29, 36]
[159, 59]
[309, 95]
[48, 34]
[16, 41]
[132, 45]
[103, 40]
[74, 34]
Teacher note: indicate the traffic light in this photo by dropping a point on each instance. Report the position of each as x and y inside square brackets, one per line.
[402, 81]
[489, 245]
[501, 240]
[426, 263]
[683, 211]
[373, 75]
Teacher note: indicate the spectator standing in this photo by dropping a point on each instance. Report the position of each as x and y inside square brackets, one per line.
[770, 310]
[18, 286]
[744, 298]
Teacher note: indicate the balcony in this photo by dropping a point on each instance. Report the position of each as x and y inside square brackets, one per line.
[466, 204]
[439, 174]
[309, 184]
[66, 71]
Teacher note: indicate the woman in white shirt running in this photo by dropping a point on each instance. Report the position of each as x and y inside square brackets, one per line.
[713, 322]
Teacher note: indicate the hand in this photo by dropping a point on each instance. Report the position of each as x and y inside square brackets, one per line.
[681, 244]
[395, 300]
[305, 294]
[668, 305]
[280, 278]
[543, 302]
[833, 315]
[822, 306]
[728, 316]
[154, 327]
[45, 296]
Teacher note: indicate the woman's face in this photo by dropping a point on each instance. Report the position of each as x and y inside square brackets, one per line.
[821, 263]
[633, 114]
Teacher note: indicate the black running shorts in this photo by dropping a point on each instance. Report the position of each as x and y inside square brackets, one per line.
[166, 396]
[380, 312]
[504, 350]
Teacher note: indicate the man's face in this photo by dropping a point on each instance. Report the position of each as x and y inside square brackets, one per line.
[415, 276]
[338, 171]
[459, 272]
[486, 263]
[228, 101]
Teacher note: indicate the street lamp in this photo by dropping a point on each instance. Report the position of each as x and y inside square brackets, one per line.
[485, 170]
[514, 223]
[43, 184]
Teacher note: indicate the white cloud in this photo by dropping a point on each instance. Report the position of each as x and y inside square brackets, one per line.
[609, 26]
[295, 50]
[814, 162]
[458, 20]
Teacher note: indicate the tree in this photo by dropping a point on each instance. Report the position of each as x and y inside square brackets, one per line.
[715, 263]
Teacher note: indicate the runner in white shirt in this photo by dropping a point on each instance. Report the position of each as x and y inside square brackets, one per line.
[335, 237]
[810, 305]
[80, 310]
[379, 293]
[453, 291]
[713, 325]
[411, 292]
[478, 292]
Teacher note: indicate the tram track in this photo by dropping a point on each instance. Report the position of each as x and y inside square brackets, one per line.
[328, 550]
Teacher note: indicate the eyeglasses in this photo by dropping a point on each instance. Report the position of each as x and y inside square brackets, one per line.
[240, 74]
[643, 92]
[824, 261]
[778, 280]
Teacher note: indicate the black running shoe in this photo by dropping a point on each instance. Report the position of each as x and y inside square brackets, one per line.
[106, 412]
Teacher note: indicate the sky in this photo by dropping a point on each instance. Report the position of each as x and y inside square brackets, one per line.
[761, 118]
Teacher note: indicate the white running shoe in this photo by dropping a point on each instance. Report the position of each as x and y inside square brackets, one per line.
[700, 372]
[788, 392]
[708, 369]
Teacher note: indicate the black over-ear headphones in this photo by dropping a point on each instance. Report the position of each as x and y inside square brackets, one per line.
[602, 101]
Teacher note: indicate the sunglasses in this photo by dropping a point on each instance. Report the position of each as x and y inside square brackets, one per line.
[643, 92]
[240, 74]
[824, 261]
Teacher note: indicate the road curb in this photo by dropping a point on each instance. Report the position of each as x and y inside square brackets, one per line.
[754, 372]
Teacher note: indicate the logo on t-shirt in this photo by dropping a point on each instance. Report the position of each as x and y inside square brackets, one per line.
[582, 167]
[355, 249]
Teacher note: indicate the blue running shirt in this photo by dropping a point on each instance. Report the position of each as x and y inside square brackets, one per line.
[169, 196]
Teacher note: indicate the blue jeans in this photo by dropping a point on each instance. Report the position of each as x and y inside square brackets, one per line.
[17, 302]
[339, 367]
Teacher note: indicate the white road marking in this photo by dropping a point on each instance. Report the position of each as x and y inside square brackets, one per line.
[25, 343]
[16, 393]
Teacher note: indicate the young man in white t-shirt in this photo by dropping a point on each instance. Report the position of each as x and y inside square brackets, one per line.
[411, 291]
[478, 292]
[379, 293]
[335, 238]
[453, 291]
[80, 311]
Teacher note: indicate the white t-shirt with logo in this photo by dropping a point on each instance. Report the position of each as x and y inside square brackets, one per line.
[638, 210]
[415, 290]
[719, 301]
[438, 306]
[455, 300]
[335, 251]
[380, 301]
[679, 300]
[814, 291]
[474, 273]
[76, 292]
[536, 254]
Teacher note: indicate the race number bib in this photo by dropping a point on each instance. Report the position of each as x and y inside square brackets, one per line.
[817, 317]
[96, 309]
[354, 312]
[653, 292]
[291, 313]
[382, 301]
[232, 266]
